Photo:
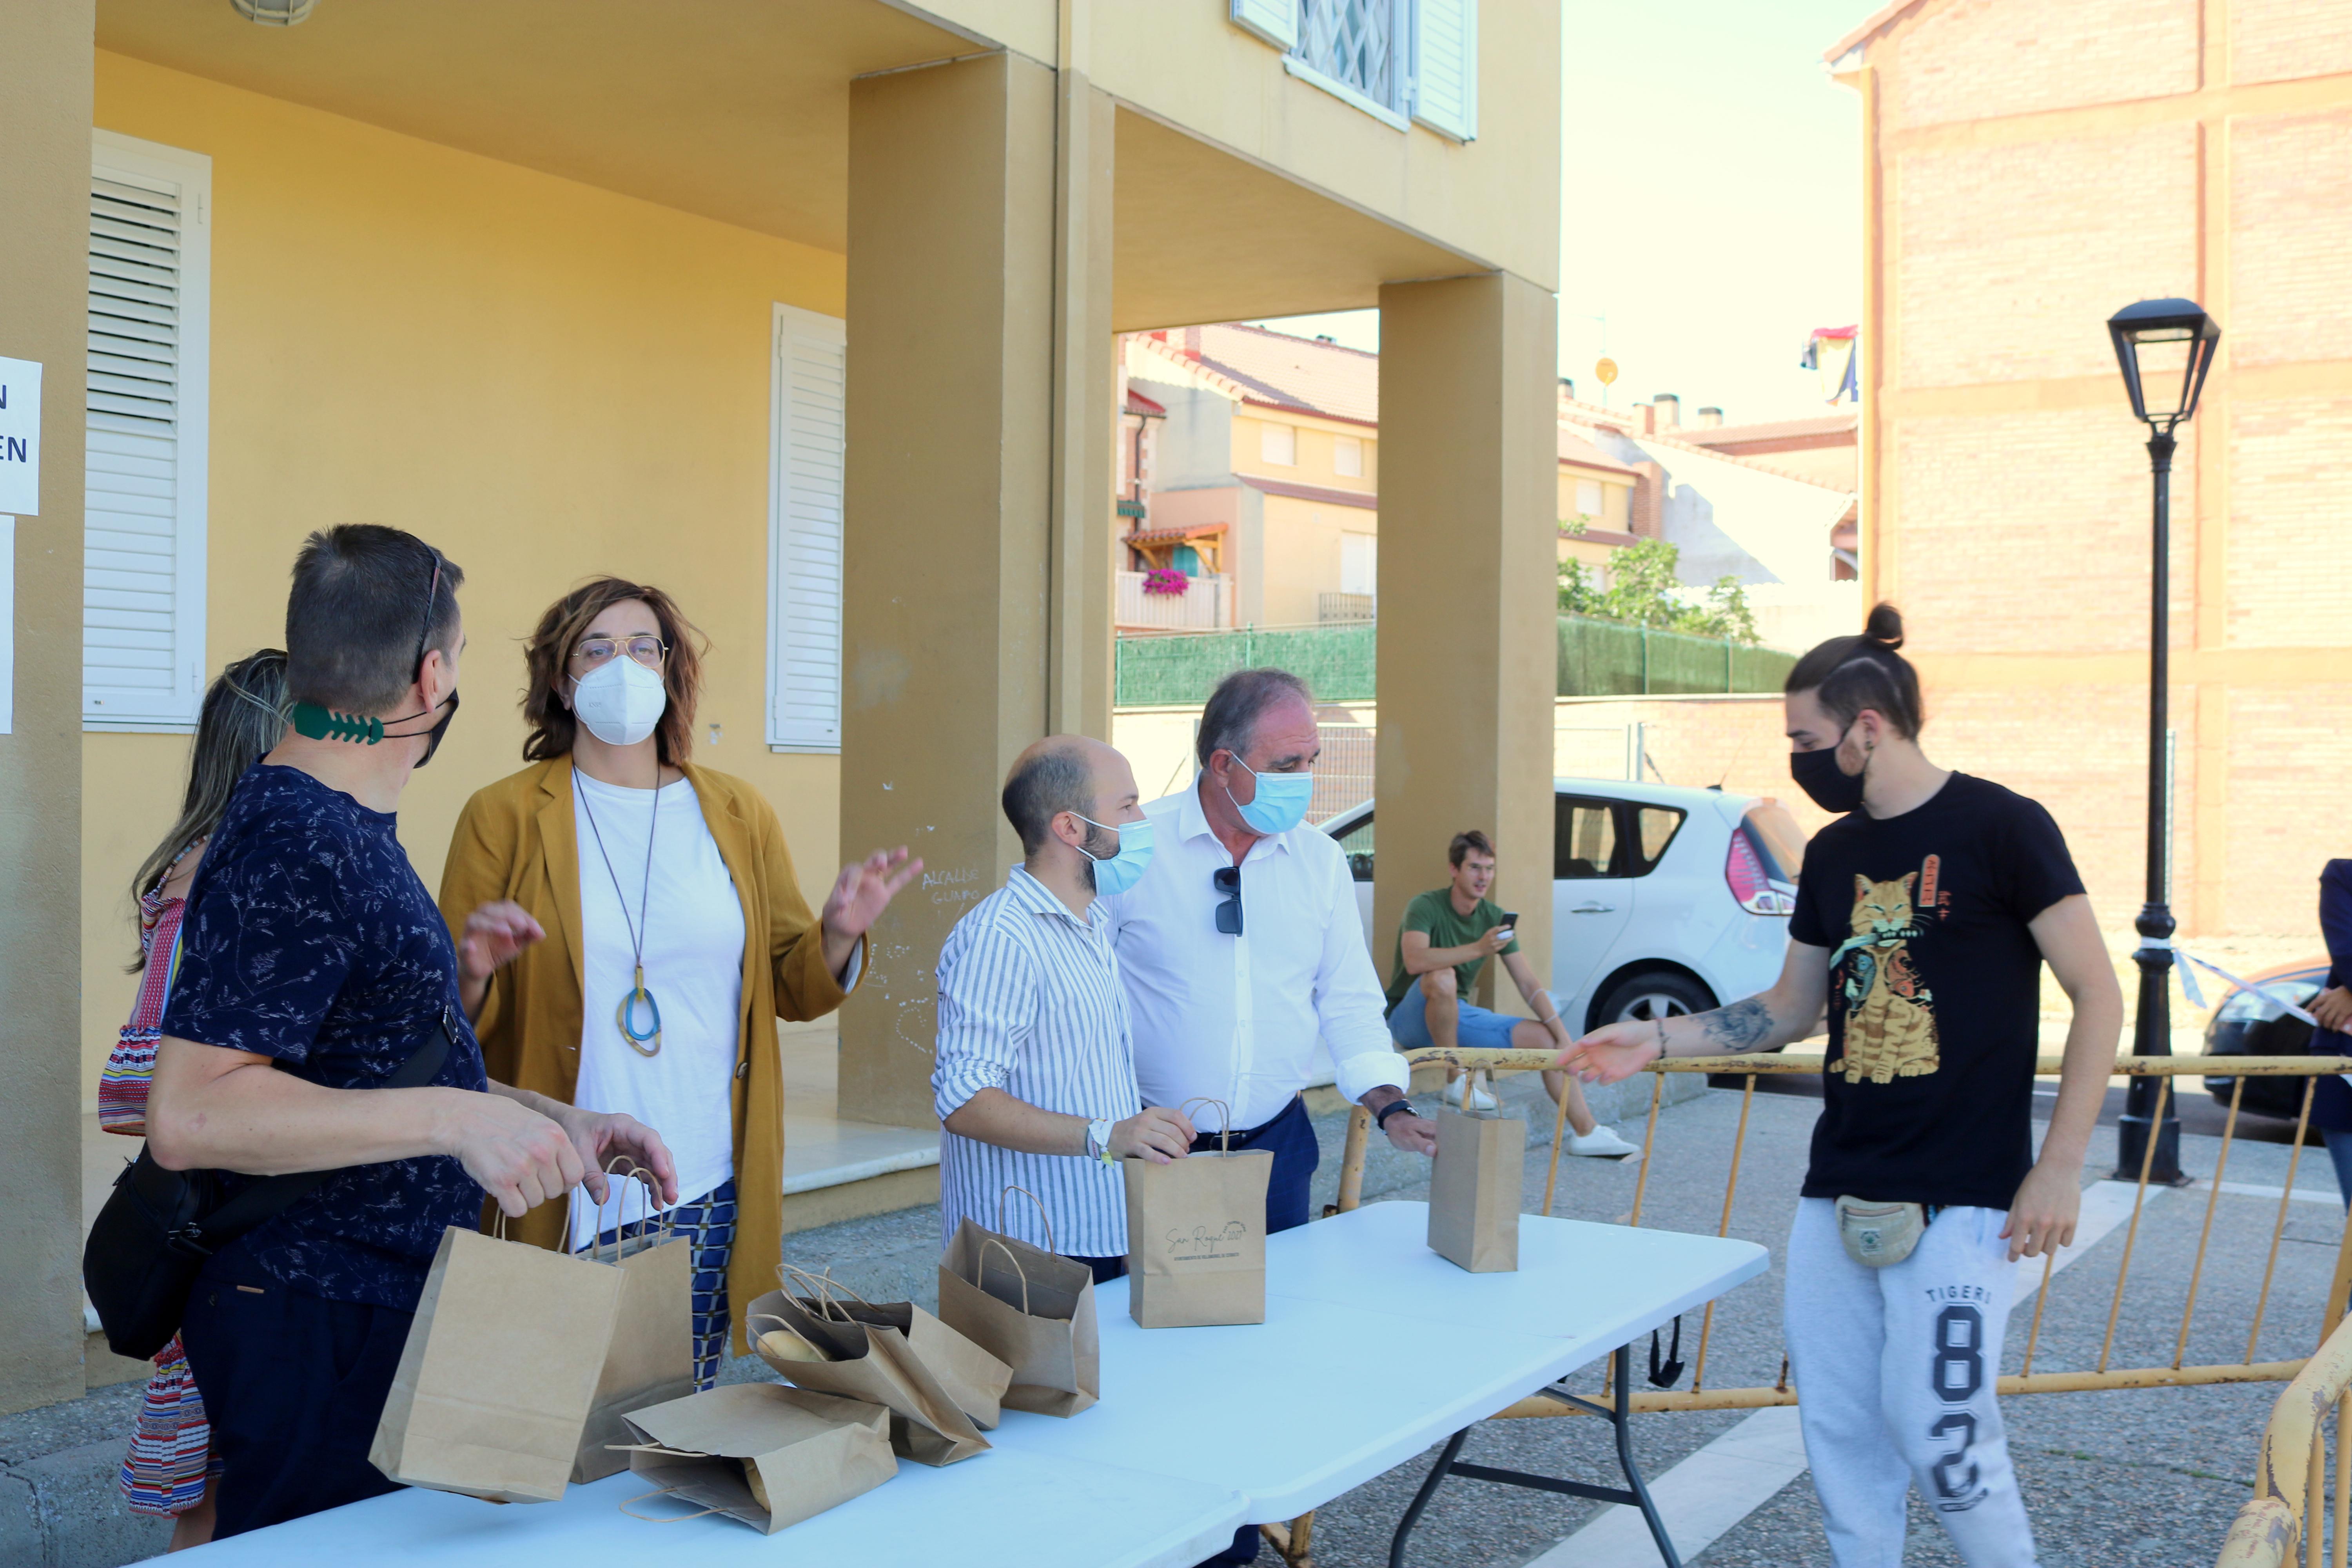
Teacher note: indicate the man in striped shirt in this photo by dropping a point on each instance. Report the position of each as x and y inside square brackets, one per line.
[1036, 1081]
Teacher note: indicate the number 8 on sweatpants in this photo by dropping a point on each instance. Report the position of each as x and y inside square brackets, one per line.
[1896, 1369]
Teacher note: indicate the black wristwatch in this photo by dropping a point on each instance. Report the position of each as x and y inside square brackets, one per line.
[1380, 1117]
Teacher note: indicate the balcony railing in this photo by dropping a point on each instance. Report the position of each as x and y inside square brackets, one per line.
[1207, 605]
[1339, 609]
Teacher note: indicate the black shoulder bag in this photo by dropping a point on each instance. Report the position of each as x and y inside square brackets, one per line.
[158, 1228]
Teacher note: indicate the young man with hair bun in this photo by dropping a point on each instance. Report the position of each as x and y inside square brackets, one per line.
[1924, 916]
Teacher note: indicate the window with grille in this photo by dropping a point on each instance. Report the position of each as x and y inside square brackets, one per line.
[143, 505]
[1390, 57]
[804, 531]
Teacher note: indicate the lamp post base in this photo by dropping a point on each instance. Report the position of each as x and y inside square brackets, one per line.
[2151, 1036]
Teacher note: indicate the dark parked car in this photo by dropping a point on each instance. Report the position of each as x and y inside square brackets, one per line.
[2248, 1024]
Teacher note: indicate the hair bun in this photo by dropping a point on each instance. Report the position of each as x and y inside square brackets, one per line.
[1884, 626]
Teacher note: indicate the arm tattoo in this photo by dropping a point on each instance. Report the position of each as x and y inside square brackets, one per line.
[1739, 1027]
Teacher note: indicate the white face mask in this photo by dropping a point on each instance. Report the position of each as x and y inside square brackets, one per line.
[620, 701]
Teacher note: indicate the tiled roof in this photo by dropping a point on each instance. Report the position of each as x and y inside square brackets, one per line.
[1768, 431]
[1139, 404]
[1574, 414]
[1276, 370]
[1876, 23]
[1575, 448]
[1329, 496]
[1167, 535]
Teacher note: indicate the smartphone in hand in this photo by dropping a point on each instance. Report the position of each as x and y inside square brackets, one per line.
[1510, 923]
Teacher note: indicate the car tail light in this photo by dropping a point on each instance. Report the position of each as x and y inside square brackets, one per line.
[1743, 872]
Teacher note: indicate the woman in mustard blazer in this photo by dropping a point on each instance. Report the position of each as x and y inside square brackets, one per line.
[629, 929]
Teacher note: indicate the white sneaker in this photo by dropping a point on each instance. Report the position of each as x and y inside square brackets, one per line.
[1601, 1143]
[1481, 1101]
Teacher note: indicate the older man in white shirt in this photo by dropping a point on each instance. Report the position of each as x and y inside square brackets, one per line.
[1241, 944]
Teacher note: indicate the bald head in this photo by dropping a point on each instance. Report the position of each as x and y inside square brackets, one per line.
[1063, 772]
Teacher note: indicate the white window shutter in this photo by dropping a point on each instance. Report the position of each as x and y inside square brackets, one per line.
[144, 661]
[1275, 21]
[1445, 67]
[805, 532]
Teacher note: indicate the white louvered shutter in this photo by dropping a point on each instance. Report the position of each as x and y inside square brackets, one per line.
[804, 534]
[1445, 67]
[1275, 21]
[143, 518]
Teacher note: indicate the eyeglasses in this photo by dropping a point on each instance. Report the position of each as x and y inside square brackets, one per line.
[432, 600]
[647, 651]
[1227, 880]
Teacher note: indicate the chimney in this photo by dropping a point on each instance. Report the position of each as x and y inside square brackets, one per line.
[1649, 417]
[1710, 419]
[1670, 410]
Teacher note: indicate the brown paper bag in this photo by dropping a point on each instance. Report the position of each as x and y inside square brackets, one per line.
[1196, 1237]
[766, 1455]
[651, 1358]
[1473, 1194]
[1030, 1309]
[500, 1366]
[873, 1357]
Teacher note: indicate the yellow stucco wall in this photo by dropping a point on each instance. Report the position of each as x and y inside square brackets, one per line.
[544, 379]
[1496, 198]
[1616, 497]
[1316, 446]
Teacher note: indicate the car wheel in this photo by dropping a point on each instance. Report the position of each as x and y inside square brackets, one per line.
[1652, 994]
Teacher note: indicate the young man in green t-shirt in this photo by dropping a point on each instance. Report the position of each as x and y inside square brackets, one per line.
[1445, 938]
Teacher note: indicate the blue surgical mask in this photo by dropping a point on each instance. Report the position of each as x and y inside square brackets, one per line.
[1280, 802]
[1117, 873]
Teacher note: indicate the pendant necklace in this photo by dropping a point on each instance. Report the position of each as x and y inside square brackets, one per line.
[649, 1042]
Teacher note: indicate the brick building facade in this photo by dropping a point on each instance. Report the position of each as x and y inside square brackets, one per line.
[2030, 167]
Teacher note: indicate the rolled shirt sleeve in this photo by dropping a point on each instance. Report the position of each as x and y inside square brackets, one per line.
[988, 1007]
[1350, 1008]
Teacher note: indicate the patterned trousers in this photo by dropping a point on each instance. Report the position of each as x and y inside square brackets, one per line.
[707, 1224]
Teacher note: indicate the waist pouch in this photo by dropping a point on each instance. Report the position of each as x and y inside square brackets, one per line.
[1878, 1234]
[150, 1240]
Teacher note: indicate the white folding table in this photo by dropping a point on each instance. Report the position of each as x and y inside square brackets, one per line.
[1348, 1300]
[999, 1509]
[1161, 1473]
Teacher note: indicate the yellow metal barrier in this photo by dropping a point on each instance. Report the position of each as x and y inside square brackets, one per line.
[2289, 1506]
[2277, 1508]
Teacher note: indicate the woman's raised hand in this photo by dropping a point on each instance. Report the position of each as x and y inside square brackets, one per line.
[860, 894]
[494, 934]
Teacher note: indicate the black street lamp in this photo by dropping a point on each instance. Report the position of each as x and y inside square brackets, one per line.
[2165, 347]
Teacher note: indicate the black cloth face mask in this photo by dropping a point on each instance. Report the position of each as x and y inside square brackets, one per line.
[1828, 785]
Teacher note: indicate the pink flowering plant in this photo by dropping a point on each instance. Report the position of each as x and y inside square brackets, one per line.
[1166, 580]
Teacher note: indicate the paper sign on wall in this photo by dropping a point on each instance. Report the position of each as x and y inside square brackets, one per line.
[20, 437]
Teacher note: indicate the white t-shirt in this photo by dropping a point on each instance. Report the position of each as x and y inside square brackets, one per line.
[693, 929]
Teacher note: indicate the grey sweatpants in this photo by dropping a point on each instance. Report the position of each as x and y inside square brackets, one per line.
[1895, 1370]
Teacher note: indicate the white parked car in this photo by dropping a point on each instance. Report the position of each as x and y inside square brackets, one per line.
[1665, 901]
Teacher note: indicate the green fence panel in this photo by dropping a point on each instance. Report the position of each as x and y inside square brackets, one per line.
[1335, 662]
[1597, 658]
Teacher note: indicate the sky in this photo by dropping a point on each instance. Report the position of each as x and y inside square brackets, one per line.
[1711, 201]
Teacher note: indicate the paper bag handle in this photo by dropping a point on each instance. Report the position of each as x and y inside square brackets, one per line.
[1225, 1129]
[1023, 1273]
[826, 1284]
[616, 1194]
[1046, 1218]
[661, 1491]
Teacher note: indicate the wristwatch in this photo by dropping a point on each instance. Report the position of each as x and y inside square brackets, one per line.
[1380, 1117]
[1098, 1140]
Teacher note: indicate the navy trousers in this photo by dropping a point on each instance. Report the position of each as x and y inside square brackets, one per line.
[1290, 1138]
[293, 1387]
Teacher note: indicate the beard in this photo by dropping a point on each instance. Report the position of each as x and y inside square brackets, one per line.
[1094, 849]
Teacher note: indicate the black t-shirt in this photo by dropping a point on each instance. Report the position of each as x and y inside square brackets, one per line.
[1935, 994]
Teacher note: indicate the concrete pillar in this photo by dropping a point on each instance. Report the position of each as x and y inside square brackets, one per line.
[977, 571]
[1468, 652]
[44, 120]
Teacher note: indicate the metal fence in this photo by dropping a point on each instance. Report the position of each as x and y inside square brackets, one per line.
[2292, 1465]
[1596, 658]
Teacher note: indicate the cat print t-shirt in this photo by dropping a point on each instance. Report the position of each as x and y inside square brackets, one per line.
[1935, 994]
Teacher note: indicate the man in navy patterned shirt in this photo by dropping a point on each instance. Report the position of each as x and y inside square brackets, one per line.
[313, 965]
